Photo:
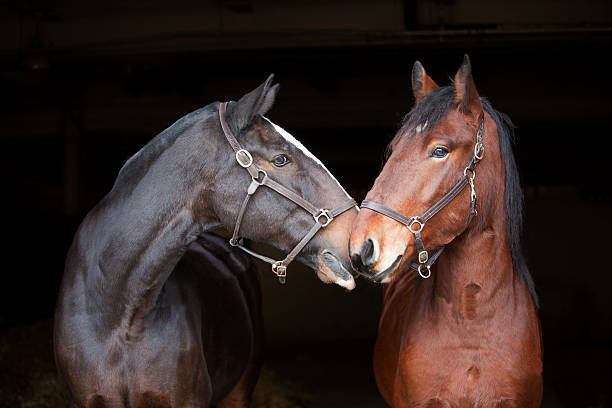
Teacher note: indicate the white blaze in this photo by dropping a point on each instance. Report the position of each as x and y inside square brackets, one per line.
[292, 140]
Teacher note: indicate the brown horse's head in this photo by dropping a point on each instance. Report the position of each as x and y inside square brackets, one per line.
[428, 155]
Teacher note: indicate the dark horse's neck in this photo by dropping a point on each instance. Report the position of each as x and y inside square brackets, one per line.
[136, 235]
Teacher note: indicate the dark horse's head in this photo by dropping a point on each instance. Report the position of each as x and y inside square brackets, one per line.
[270, 217]
[429, 154]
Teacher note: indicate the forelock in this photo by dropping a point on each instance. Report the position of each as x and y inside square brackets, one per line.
[426, 114]
[432, 108]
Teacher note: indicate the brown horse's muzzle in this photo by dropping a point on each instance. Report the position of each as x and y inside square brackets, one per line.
[376, 245]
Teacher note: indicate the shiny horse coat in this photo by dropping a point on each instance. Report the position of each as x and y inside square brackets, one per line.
[203, 341]
[148, 313]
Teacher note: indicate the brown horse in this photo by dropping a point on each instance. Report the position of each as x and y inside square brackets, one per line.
[465, 332]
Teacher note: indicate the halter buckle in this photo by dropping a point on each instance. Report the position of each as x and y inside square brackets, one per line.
[478, 151]
[259, 180]
[279, 269]
[423, 257]
[249, 161]
[323, 213]
[428, 268]
[415, 220]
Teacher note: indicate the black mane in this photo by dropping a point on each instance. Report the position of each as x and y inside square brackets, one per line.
[431, 110]
[138, 164]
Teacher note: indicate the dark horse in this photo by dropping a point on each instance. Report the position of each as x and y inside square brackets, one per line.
[150, 315]
[469, 336]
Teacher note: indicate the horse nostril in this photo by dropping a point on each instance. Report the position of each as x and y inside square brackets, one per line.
[369, 252]
[356, 262]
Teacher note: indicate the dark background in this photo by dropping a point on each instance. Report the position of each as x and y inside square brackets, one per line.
[84, 85]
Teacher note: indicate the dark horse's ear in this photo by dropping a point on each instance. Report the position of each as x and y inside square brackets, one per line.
[422, 84]
[257, 102]
[466, 95]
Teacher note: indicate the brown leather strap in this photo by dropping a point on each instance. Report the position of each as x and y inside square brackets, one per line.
[251, 190]
[242, 156]
[384, 210]
[316, 227]
[445, 200]
[300, 245]
[226, 130]
[282, 265]
[428, 214]
[347, 205]
[284, 191]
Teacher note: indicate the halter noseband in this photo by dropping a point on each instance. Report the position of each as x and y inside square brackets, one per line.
[416, 224]
[259, 177]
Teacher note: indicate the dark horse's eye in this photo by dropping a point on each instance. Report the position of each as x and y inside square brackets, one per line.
[439, 152]
[280, 160]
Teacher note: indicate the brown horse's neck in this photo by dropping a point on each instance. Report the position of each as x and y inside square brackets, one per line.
[475, 270]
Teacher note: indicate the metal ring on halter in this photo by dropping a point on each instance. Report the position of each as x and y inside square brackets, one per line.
[415, 220]
[248, 155]
[323, 213]
[473, 173]
[262, 179]
[279, 269]
[428, 271]
[478, 151]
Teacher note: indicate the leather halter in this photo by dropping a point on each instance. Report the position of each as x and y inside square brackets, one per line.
[415, 224]
[322, 217]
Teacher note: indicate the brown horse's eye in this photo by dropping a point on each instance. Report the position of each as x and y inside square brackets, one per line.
[280, 160]
[439, 152]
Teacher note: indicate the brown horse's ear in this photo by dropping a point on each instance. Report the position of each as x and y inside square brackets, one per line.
[466, 95]
[422, 84]
[256, 102]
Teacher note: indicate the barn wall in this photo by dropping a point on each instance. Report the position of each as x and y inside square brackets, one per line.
[84, 86]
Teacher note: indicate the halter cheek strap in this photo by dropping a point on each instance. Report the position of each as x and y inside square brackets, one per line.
[415, 224]
[322, 217]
